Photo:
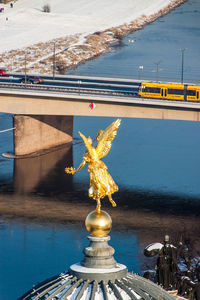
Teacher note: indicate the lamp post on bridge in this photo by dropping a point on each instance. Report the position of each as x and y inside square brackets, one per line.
[54, 59]
[25, 76]
[182, 63]
[140, 72]
[157, 64]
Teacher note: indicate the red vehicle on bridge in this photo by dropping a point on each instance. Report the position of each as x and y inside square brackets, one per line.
[3, 72]
[31, 79]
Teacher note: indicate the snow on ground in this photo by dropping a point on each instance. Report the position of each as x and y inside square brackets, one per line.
[26, 24]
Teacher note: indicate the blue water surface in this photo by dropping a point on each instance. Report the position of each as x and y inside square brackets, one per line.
[159, 42]
[6, 145]
[30, 253]
[154, 155]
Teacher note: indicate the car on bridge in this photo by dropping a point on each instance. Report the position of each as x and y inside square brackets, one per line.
[3, 72]
[31, 80]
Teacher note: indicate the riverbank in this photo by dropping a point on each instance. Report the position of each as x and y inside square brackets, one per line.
[73, 50]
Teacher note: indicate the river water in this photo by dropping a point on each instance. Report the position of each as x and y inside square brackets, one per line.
[154, 162]
[160, 42]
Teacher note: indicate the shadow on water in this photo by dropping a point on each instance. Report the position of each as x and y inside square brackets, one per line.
[160, 203]
[39, 174]
[42, 191]
[44, 175]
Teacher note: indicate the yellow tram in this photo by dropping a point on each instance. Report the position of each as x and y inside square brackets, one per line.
[174, 91]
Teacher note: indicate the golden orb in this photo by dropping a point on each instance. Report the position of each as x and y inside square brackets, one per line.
[98, 224]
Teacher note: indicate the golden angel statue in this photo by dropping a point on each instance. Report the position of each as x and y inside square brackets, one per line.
[101, 182]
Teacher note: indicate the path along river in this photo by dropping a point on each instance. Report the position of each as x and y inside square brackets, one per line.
[155, 163]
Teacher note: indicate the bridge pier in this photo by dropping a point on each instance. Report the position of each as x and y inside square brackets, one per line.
[37, 133]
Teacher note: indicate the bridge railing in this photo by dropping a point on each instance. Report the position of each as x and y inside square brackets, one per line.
[72, 90]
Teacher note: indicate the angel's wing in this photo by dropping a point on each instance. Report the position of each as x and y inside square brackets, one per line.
[105, 138]
[87, 144]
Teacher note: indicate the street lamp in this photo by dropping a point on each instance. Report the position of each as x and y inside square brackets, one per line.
[140, 72]
[157, 64]
[25, 77]
[11, 65]
[54, 59]
[182, 63]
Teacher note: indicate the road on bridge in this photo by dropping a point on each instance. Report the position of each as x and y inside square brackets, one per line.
[125, 87]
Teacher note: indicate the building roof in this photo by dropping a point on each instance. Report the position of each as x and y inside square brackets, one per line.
[97, 277]
[68, 286]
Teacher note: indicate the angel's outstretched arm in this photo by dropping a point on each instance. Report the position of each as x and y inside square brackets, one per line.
[71, 170]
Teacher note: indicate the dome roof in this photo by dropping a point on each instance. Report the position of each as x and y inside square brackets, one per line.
[68, 286]
[97, 277]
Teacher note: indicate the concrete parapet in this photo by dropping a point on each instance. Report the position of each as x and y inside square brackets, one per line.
[40, 132]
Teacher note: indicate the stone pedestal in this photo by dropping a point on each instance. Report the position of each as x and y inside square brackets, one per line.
[98, 263]
[99, 254]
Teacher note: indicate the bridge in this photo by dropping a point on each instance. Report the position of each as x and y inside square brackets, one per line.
[43, 115]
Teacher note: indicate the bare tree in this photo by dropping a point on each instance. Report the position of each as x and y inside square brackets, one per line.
[47, 8]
